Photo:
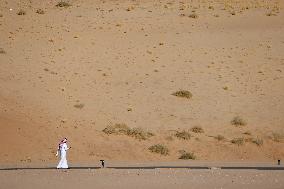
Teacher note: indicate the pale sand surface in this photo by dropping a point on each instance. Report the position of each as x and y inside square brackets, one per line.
[158, 178]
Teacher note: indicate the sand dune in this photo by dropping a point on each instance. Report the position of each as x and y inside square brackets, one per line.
[71, 72]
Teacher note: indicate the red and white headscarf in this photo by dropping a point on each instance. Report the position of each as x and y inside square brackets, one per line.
[61, 143]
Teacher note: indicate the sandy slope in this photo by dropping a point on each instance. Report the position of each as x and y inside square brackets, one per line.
[122, 60]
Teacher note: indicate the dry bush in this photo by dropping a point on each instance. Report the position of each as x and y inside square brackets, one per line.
[238, 121]
[277, 137]
[159, 149]
[187, 155]
[63, 4]
[2, 51]
[193, 15]
[219, 137]
[257, 141]
[238, 141]
[247, 133]
[21, 12]
[40, 11]
[183, 135]
[183, 94]
[137, 133]
[117, 129]
[197, 129]
[79, 106]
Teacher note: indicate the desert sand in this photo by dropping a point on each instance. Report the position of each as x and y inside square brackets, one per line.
[160, 178]
[73, 71]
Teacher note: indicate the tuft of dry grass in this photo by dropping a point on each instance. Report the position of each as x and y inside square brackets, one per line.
[79, 106]
[2, 51]
[197, 129]
[238, 121]
[219, 137]
[63, 4]
[40, 11]
[238, 141]
[183, 94]
[247, 133]
[187, 155]
[277, 137]
[159, 149]
[117, 129]
[137, 133]
[183, 135]
[257, 141]
[193, 15]
[21, 12]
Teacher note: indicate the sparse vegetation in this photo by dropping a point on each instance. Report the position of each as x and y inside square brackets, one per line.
[2, 51]
[40, 11]
[183, 135]
[79, 106]
[197, 129]
[257, 141]
[137, 133]
[183, 94]
[247, 133]
[277, 137]
[117, 129]
[21, 12]
[225, 88]
[238, 141]
[238, 121]
[159, 149]
[271, 14]
[219, 137]
[187, 155]
[63, 4]
[193, 15]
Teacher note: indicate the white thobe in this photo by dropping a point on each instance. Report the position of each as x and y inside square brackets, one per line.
[63, 161]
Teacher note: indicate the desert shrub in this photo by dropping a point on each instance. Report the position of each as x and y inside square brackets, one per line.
[238, 121]
[238, 141]
[219, 137]
[159, 149]
[21, 12]
[187, 155]
[257, 141]
[183, 94]
[117, 129]
[193, 15]
[183, 135]
[247, 133]
[197, 129]
[139, 133]
[63, 4]
[277, 137]
[40, 11]
[79, 106]
[2, 51]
